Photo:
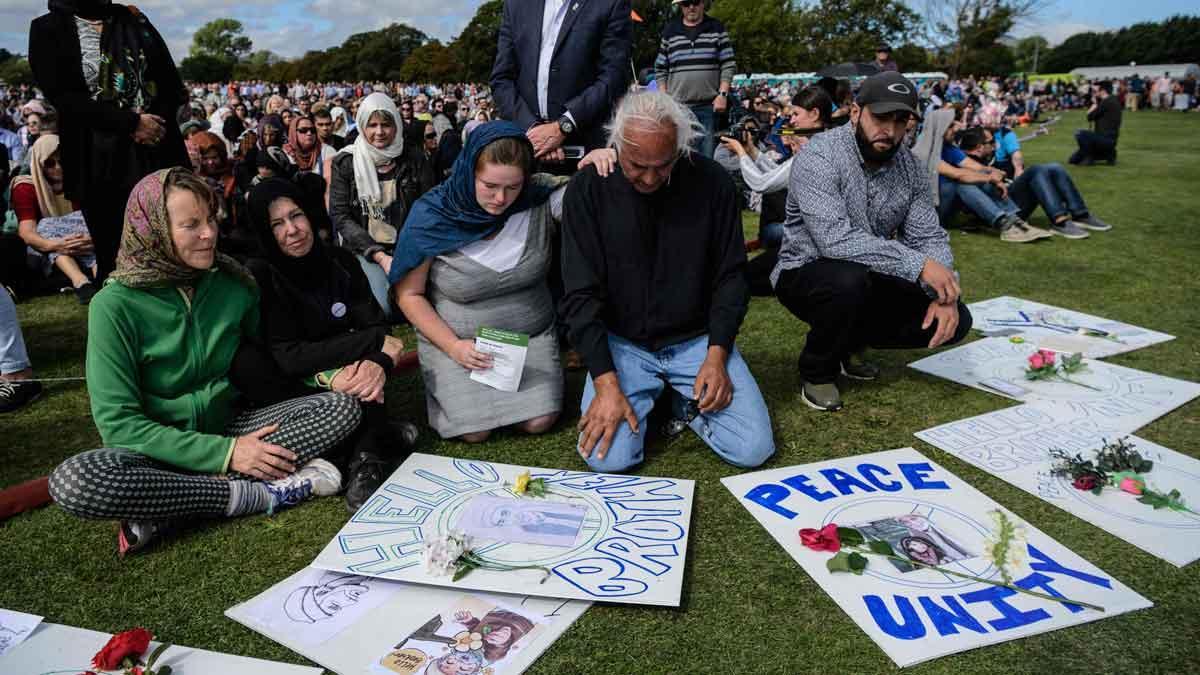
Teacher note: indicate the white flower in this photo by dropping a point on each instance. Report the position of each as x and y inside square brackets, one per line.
[442, 554]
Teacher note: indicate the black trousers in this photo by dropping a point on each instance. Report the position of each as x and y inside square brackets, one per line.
[104, 212]
[1094, 146]
[849, 308]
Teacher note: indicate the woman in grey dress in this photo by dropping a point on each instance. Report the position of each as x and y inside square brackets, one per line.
[474, 253]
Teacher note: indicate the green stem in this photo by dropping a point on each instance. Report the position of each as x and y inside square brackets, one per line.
[482, 564]
[1064, 378]
[1001, 584]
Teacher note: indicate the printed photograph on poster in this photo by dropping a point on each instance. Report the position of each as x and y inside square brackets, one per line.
[472, 635]
[922, 562]
[1019, 446]
[1066, 330]
[523, 521]
[320, 604]
[916, 538]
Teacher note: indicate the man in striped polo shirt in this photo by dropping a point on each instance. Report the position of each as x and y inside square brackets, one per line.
[695, 65]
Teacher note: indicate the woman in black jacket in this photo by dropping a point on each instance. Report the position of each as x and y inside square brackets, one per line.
[372, 184]
[320, 329]
[110, 75]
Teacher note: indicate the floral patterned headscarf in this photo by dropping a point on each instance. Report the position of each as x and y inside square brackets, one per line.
[147, 256]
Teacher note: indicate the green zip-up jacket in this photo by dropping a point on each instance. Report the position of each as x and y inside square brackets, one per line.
[158, 364]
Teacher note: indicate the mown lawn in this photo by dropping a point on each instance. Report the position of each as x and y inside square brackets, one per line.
[747, 606]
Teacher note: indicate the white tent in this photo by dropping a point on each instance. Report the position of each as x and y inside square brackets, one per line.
[1149, 70]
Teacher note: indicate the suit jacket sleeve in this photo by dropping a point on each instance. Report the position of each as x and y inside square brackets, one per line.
[506, 70]
[61, 79]
[593, 102]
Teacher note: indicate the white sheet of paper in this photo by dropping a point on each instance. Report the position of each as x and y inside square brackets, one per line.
[15, 627]
[320, 604]
[631, 549]
[541, 522]
[350, 652]
[1127, 399]
[1014, 444]
[999, 315]
[508, 352]
[54, 649]
[918, 614]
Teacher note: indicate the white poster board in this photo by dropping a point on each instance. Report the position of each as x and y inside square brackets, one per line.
[1123, 398]
[54, 649]
[631, 548]
[921, 614]
[1013, 316]
[1014, 444]
[364, 625]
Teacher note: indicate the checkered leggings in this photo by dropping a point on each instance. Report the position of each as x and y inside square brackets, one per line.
[114, 483]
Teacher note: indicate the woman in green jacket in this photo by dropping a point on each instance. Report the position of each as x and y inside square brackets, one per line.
[162, 335]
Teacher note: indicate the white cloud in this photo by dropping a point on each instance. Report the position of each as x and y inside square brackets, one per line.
[1057, 31]
[289, 28]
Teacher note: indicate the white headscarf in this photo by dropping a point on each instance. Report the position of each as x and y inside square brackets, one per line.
[367, 157]
[928, 147]
[338, 113]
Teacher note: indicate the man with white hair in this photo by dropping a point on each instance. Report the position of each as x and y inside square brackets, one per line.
[655, 293]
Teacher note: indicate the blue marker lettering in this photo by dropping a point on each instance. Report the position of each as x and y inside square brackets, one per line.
[910, 629]
[916, 472]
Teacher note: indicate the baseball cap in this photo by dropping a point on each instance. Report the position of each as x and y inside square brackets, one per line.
[883, 47]
[887, 92]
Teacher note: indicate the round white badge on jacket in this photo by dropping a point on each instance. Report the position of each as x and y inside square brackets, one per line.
[338, 309]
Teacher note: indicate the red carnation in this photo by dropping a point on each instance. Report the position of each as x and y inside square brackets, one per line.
[1088, 481]
[131, 643]
[824, 539]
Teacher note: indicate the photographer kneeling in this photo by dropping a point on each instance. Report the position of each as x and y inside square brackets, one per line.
[811, 114]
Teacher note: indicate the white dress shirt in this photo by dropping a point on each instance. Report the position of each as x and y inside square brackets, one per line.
[552, 21]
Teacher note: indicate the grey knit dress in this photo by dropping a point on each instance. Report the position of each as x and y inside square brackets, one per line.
[469, 295]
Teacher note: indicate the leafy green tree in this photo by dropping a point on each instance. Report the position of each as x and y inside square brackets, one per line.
[205, 68]
[759, 30]
[221, 39]
[431, 62]
[1029, 53]
[1176, 40]
[836, 31]
[16, 70]
[475, 46]
[648, 32]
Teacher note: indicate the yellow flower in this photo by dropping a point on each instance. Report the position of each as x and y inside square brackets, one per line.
[521, 484]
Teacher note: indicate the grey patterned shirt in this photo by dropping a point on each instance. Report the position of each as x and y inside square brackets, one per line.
[838, 208]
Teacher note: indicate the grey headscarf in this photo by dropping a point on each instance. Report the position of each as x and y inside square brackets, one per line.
[928, 147]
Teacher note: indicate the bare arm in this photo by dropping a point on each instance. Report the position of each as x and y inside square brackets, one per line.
[410, 298]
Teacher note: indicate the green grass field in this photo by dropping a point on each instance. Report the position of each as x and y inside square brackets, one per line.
[747, 607]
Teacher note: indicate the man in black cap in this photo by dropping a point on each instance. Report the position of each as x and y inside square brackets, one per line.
[884, 61]
[864, 261]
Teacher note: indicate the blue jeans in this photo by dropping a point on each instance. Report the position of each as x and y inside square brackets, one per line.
[378, 279]
[982, 200]
[13, 357]
[740, 434]
[771, 235]
[1051, 187]
[706, 144]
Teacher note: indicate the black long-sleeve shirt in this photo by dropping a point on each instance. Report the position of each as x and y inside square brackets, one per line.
[654, 269]
[1107, 116]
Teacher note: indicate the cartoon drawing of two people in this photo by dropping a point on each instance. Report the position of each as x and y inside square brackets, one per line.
[499, 630]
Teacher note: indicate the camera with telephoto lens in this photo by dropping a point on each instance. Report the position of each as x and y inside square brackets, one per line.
[744, 126]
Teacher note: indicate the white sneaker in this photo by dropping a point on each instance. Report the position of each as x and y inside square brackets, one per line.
[318, 478]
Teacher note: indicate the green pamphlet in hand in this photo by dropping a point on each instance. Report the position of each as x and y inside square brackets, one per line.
[508, 351]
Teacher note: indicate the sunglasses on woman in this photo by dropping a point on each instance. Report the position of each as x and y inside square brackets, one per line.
[305, 130]
[50, 164]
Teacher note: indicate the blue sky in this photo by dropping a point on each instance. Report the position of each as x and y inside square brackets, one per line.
[290, 27]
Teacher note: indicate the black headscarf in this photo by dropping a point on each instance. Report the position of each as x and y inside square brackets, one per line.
[301, 271]
[91, 10]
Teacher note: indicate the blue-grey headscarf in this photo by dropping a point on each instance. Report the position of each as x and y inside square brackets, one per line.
[448, 217]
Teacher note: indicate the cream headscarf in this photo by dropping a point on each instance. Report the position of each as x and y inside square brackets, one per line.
[367, 157]
[928, 148]
[50, 204]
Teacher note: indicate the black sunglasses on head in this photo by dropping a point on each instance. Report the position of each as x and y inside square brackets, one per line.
[690, 3]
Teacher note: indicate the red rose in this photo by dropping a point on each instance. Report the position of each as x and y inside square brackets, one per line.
[1088, 481]
[131, 643]
[824, 539]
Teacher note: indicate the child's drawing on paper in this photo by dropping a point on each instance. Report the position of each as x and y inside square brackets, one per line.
[916, 538]
[334, 592]
[472, 636]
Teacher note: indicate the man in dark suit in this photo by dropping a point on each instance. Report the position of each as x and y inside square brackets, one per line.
[561, 66]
